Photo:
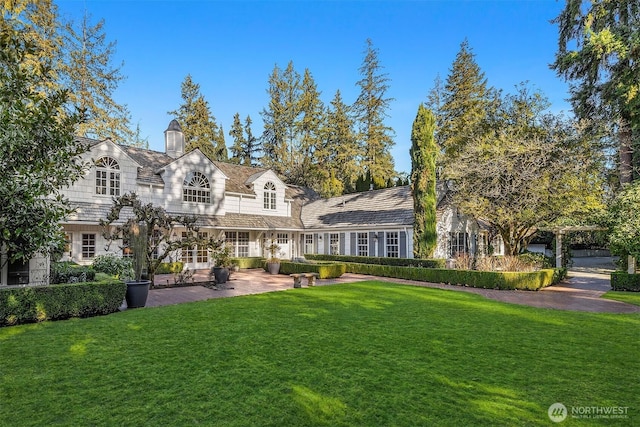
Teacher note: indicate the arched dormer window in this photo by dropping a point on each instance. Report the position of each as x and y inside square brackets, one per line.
[270, 196]
[196, 188]
[107, 176]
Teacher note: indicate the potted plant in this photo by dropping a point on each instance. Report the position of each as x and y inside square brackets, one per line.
[273, 262]
[222, 261]
[138, 288]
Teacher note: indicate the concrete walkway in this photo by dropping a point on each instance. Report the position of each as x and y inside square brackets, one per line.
[582, 290]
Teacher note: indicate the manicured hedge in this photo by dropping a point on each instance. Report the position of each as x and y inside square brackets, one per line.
[623, 281]
[170, 267]
[67, 272]
[325, 271]
[28, 304]
[477, 279]
[248, 262]
[405, 262]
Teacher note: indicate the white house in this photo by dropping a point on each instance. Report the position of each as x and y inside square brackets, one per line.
[247, 207]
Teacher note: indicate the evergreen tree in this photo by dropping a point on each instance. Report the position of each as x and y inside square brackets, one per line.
[197, 122]
[92, 79]
[221, 146]
[423, 188]
[308, 133]
[337, 155]
[599, 52]
[465, 103]
[39, 155]
[371, 107]
[253, 144]
[238, 148]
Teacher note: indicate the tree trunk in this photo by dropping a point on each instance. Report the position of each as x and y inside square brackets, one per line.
[626, 151]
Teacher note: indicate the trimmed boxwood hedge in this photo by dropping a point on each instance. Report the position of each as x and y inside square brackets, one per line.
[405, 262]
[623, 281]
[325, 270]
[478, 279]
[28, 304]
[249, 262]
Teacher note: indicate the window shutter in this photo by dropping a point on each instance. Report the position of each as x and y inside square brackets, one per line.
[403, 244]
[381, 243]
[342, 244]
[353, 244]
[372, 244]
[327, 244]
[315, 243]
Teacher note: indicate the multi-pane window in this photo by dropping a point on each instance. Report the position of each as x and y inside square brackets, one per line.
[186, 253]
[363, 244]
[202, 254]
[392, 244]
[196, 188]
[497, 245]
[459, 243]
[270, 196]
[107, 176]
[283, 238]
[308, 244]
[237, 242]
[334, 244]
[88, 246]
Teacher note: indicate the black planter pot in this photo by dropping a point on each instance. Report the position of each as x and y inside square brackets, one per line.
[137, 293]
[221, 275]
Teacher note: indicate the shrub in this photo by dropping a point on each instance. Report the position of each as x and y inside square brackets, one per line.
[113, 265]
[479, 279]
[406, 262]
[170, 267]
[623, 281]
[249, 262]
[68, 272]
[325, 270]
[54, 302]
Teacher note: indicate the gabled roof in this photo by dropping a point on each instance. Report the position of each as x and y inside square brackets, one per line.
[388, 206]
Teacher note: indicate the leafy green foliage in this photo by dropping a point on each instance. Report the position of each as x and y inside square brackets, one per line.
[325, 270]
[624, 221]
[55, 302]
[170, 267]
[38, 152]
[423, 153]
[113, 265]
[599, 53]
[67, 272]
[622, 281]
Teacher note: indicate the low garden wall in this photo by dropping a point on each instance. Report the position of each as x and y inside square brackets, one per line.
[623, 281]
[28, 304]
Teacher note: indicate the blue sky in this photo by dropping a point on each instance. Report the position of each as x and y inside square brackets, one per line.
[231, 47]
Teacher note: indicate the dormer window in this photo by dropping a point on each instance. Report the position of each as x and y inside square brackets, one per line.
[107, 177]
[270, 196]
[196, 188]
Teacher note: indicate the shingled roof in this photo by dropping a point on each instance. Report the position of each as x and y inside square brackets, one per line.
[386, 207]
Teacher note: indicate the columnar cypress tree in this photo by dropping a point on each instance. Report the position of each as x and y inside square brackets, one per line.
[239, 141]
[253, 144]
[423, 183]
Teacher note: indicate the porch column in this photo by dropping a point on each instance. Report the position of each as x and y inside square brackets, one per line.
[558, 249]
[631, 265]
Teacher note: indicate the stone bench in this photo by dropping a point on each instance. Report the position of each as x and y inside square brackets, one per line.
[297, 279]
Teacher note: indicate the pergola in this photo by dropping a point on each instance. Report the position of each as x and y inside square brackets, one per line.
[561, 230]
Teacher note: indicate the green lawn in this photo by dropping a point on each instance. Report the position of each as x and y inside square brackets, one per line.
[628, 297]
[365, 354]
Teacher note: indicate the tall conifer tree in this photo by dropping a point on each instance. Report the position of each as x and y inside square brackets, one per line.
[423, 183]
[376, 138]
